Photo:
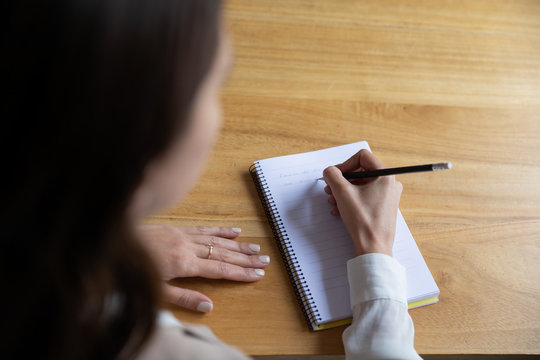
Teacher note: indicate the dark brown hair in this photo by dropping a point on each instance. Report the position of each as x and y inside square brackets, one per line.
[94, 90]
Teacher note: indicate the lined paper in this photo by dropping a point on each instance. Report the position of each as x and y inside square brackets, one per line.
[320, 241]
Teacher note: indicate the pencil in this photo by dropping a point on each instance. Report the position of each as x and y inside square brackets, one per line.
[395, 171]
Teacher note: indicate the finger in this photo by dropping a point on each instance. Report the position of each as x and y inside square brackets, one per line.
[399, 187]
[332, 200]
[222, 231]
[233, 257]
[335, 211]
[212, 269]
[328, 190]
[363, 181]
[334, 178]
[241, 247]
[363, 159]
[189, 299]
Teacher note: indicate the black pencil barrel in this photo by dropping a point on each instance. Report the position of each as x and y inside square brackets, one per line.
[391, 171]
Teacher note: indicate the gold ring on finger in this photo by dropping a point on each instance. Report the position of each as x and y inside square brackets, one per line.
[210, 249]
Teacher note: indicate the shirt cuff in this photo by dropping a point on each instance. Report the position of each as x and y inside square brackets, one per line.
[376, 276]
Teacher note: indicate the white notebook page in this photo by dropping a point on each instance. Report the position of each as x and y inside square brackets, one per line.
[320, 241]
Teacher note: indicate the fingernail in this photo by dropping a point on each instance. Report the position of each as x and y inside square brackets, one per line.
[259, 272]
[265, 259]
[255, 247]
[236, 230]
[205, 307]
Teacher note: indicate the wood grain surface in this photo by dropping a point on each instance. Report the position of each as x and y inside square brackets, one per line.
[421, 81]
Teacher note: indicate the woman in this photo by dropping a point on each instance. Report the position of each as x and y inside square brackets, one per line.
[111, 108]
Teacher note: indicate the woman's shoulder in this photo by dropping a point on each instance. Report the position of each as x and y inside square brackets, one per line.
[174, 340]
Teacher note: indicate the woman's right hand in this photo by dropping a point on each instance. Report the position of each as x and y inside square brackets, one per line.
[368, 207]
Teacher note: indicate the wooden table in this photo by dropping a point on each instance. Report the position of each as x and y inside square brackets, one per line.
[422, 81]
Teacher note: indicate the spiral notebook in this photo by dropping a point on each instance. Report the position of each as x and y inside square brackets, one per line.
[315, 245]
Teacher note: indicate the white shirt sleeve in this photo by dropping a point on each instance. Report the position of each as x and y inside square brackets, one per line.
[381, 327]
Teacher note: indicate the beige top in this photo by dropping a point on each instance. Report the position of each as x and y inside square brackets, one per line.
[174, 340]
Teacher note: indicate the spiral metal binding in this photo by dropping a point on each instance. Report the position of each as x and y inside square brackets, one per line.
[298, 280]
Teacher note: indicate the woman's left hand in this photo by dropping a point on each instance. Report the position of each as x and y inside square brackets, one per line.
[204, 251]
